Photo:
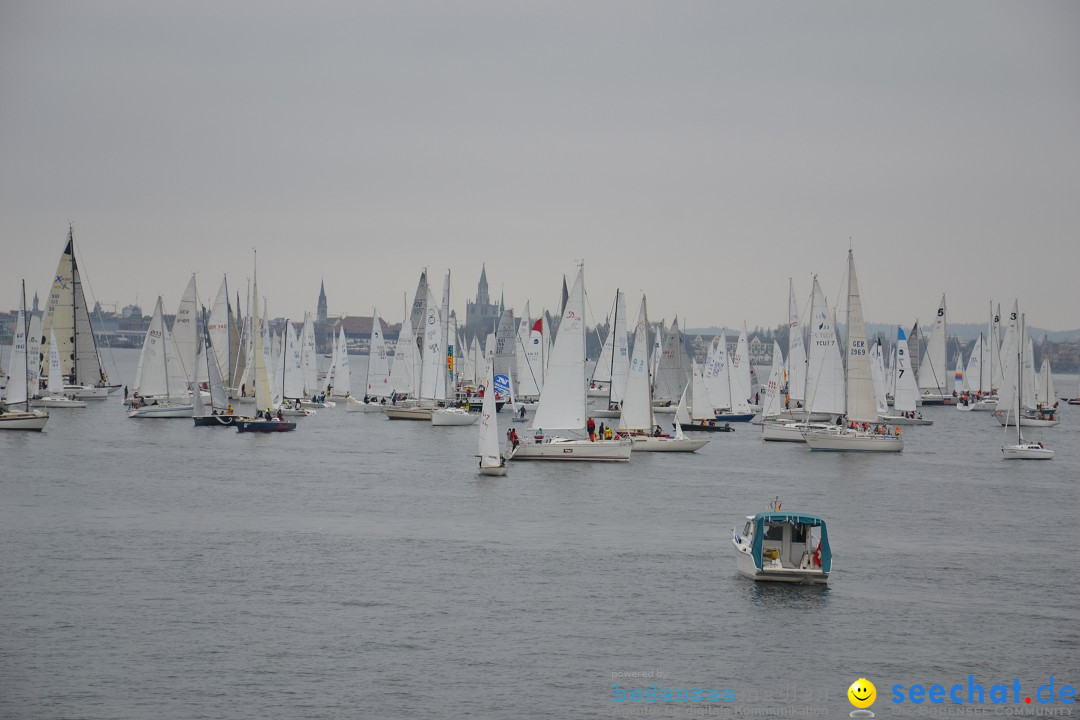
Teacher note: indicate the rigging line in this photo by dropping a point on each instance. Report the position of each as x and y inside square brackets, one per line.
[101, 321]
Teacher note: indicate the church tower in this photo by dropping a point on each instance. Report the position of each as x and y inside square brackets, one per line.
[482, 288]
[322, 304]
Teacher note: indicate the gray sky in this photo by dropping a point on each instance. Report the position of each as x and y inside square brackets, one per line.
[702, 152]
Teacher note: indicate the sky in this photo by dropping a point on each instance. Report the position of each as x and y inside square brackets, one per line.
[699, 152]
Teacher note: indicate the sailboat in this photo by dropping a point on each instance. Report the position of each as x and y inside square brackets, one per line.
[264, 400]
[19, 389]
[933, 369]
[1028, 415]
[56, 397]
[823, 378]
[563, 401]
[905, 391]
[221, 410]
[861, 407]
[617, 358]
[67, 315]
[981, 374]
[160, 382]
[638, 419]
[431, 368]
[491, 460]
[1022, 449]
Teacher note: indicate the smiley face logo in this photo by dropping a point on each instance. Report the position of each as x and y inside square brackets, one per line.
[862, 693]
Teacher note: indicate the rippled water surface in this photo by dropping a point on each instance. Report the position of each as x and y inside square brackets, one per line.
[360, 568]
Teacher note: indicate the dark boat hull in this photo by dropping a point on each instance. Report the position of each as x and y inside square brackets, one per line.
[264, 426]
[219, 420]
[717, 427]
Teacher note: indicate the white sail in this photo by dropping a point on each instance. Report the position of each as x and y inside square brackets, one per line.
[906, 392]
[67, 315]
[535, 354]
[933, 367]
[444, 386]
[620, 356]
[682, 416]
[529, 362]
[562, 403]
[309, 357]
[434, 353]
[405, 375]
[342, 372]
[974, 373]
[219, 329]
[824, 368]
[17, 391]
[184, 335]
[379, 381]
[960, 382]
[657, 350]
[741, 383]
[673, 369]
[56, 380]
[219, 400]
[602, 368]
[774, 400]
[997, 372]
[264, 399]
[490, 456]
[152, 377]
[717, 377]
[700, 404]
[34, 357]
[861, 406]
[877, 371]
[1027, 377]
[292, 368]
[505, 339]
[637, 411]
[419, 307]
[796, 359]
[1045, 393]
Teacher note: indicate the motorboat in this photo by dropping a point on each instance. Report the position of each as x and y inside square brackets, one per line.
[784, 547]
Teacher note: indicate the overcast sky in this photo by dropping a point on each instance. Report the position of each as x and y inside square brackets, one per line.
[701, 152]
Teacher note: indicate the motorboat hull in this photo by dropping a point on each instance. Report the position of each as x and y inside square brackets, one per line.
[744, 563]
[567, 449]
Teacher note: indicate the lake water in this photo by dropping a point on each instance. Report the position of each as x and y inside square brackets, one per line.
[361, 568]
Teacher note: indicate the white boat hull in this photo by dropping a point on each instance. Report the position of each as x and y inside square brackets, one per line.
[744, 563]
[646, 443]
[365, 407]
[1026, 451]
[453, 417]
[19, 420]
[568, 449]
[87, 392]
[407, 413]
[58, 402]
[977, 406]
[787, 432]
[1024, 420]
[494, 471]
[162, 411]
[852, 441]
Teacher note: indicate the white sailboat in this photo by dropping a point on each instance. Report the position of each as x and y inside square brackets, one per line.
[160, 385]
[637, 418]
[861, 409]
[1020, 382]
[19, 388]
[492, 461]
[905, 391]
[824, 377]
[563, 401]
[1021, 449]
[68, 316]
[933, 367]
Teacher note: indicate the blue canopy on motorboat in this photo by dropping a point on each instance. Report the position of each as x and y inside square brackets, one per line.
[778, 518]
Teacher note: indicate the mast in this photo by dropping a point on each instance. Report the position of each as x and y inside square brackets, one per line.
[26, 347]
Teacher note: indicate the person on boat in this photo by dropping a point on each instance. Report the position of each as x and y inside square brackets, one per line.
[538, 436]
[243, 390]
[280, 416]
[229, 410]
[521, 412]
[657, 431]
[839, 420]
[600, 431]
[514, 439]
[897, 432]
[125, 392]
[1040, 446]
[591, 428]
